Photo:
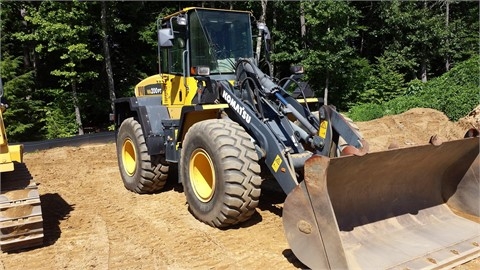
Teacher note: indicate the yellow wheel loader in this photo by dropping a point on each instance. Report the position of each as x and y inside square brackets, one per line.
[229, 126]
[21, 222]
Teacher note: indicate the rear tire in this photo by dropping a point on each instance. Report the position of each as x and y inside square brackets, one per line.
[220, 173]
[141, 173]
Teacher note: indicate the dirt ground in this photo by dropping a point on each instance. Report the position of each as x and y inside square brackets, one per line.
[92, 222]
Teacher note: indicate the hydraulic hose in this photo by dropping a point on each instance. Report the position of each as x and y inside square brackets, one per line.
[269, 87]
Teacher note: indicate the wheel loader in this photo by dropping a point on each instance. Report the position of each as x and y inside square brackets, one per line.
[227, 126]
[21, 222]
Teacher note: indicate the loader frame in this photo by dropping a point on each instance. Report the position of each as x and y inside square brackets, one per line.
[227, 125]
[167, 105]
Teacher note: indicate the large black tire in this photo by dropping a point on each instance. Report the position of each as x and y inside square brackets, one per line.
[220, 173]
[141, 173]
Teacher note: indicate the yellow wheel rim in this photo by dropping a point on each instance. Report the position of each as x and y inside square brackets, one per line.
[129, 157]
[202, 175]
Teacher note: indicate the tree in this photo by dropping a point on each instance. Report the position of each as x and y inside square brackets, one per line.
[25, 114]
[352, 51]
[24, 118]
[331, 29]
[383, 84]
[286, 35]
[106, 53]
[460, 37]
[261, 20]
[63, 30]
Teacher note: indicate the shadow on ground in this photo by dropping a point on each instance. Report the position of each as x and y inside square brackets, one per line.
[54, 210]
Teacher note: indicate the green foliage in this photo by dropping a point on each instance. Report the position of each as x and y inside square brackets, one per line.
[383, 84]
[329, 57]
[366, 112]
[460, 100]
[287, 39]
[414, 87]
[455, 93]
[63, 30]
[24, 116]
[410, 32]
[404, 103]
[331, 24]
[361, 51]
[59, 124]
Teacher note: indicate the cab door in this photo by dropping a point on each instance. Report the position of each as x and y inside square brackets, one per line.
[174, 66]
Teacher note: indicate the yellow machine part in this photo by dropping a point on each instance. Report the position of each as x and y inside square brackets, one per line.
[177, 91]
[411, 208]
[7, 153]
[21, 222]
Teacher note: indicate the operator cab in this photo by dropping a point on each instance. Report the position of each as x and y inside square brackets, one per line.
[205, 37]
[193, 38]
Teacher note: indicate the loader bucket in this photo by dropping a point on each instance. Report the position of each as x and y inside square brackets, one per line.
[410, 208]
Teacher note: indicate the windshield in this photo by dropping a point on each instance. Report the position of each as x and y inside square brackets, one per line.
[218, 39]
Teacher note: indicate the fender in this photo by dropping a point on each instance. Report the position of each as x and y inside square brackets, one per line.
[150, 113]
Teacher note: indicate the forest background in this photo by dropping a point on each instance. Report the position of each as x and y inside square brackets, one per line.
[64, 62]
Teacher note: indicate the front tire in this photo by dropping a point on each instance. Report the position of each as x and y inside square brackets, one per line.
[141, 173]
[220, 172]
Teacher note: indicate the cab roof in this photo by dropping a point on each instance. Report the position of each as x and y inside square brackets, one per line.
[186, 10]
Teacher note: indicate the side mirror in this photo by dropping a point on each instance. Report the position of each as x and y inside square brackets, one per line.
[181, 20]
[165, 36]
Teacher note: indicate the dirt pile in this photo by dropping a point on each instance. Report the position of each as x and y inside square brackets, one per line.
[92, 222]
[472, 120]
[415, 127]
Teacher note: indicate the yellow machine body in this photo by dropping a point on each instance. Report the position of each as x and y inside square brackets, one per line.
[21, 222]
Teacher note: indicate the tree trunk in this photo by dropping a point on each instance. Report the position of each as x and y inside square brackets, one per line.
[78, 116]
[26, 50]
[423, 64]
[106, 52]
[272, 41]
[303, 27]
[259, 38]
[325, 91]
[447, 19]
